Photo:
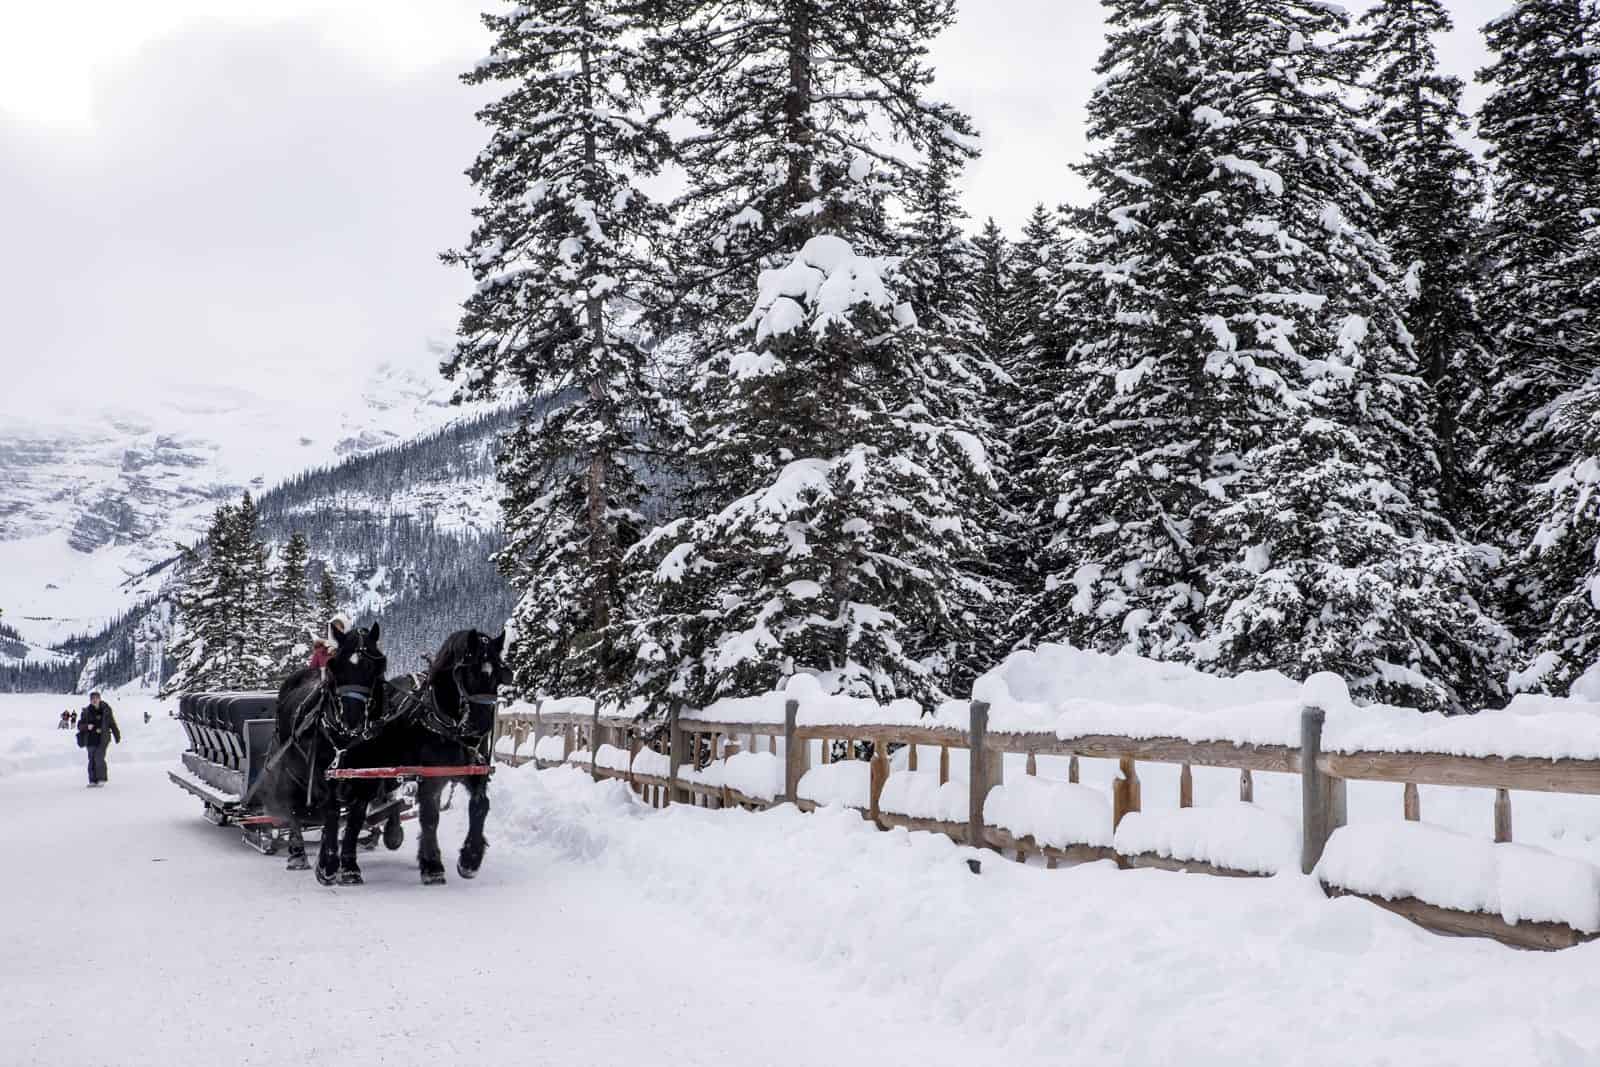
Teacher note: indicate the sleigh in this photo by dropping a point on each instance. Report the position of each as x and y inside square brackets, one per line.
[231, 740]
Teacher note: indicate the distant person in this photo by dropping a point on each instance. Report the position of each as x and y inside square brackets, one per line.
[97, 727]
[66, 721]
[147, 718]
[319, 654]
[73, 721]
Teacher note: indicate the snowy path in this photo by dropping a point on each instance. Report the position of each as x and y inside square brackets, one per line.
[604, 932]
[133, 932]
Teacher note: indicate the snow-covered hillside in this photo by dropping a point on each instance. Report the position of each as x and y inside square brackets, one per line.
[91, 500]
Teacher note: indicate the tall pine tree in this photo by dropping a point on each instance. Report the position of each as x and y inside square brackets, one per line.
[833, 520]
[1542, 122]
[1236, 487]
[1426, 216]
[562, 255]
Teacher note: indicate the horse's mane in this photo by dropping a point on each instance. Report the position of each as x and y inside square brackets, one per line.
[452, 652]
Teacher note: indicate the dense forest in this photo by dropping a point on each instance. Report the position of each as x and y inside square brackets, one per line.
[1304, 386]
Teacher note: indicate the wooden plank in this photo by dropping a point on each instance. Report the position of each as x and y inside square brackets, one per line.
[1279, 758]
[1423, 768]
[760, 729]
[1502, 815]
[1413, 803]
[955, 831]
[911, 757]
[900, 735]
[1078, 853]
[1448, 921]
[1151, 861]
[1033, 765]
[1186, 787]
[1247, 787]
[944, 765]
[1072, 770]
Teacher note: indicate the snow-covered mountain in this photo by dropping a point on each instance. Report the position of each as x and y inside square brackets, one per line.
[92, 502]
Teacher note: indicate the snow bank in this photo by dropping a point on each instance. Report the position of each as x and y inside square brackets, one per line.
[651, 762]
[550, 748]
[818, 707]
[611, 758]
[1244, 837]
[1075, 693]
[755, 774]
[1450, 870]
[847, 782]
[578, 756]
[1058, 814]
[30, 741]
[894, 915]
[919, 795]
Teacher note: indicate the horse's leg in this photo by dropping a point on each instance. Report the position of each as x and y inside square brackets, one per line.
[428, 857]
[355, 822]
[297, 842]
[328, 853]
[471, 857]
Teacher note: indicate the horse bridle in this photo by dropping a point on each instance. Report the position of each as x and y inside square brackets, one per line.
[333, 697]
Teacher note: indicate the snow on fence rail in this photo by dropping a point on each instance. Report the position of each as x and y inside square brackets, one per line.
[950, 778]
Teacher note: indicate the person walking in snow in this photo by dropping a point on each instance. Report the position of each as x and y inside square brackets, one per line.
[97, 726]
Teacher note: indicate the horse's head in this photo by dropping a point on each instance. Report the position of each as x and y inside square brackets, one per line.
[477, 670]
[355, 673]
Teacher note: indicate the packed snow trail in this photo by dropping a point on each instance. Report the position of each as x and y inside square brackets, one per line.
[602, 931]
[134, 932]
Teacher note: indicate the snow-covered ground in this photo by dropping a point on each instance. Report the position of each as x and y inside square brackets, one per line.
[602, 931]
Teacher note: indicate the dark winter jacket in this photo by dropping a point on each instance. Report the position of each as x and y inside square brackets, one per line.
[97, 726]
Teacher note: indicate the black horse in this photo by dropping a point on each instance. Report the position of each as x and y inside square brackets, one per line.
[443, 719]
[321, 714]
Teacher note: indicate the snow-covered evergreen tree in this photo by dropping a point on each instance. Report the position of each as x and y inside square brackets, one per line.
[1426, 216]
[225, 635]
[327, 596]
[836, 481]
[1236, 487]
[292, 617]
[1542, 122]
[561, 256]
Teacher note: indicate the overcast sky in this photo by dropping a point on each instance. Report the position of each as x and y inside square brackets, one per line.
[252, 193]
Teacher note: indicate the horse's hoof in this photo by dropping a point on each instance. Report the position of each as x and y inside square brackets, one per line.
[433, 878]
[298, 863]
[326, 877]
[464, 871]
[350, 876]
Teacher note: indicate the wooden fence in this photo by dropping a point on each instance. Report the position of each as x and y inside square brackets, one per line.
[689, 741]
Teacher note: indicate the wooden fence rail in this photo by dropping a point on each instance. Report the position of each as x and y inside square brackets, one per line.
[691, 744]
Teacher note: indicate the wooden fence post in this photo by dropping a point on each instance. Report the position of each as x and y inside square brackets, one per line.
[679, 750]
[1186, 787]
[985, 771]
[1247, 786]
[796, 754]
[1316, 822]
[594, 745]
[568, 733]
[1502, 815]
[879, 771]
[1125, 794]
[1413, 802]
